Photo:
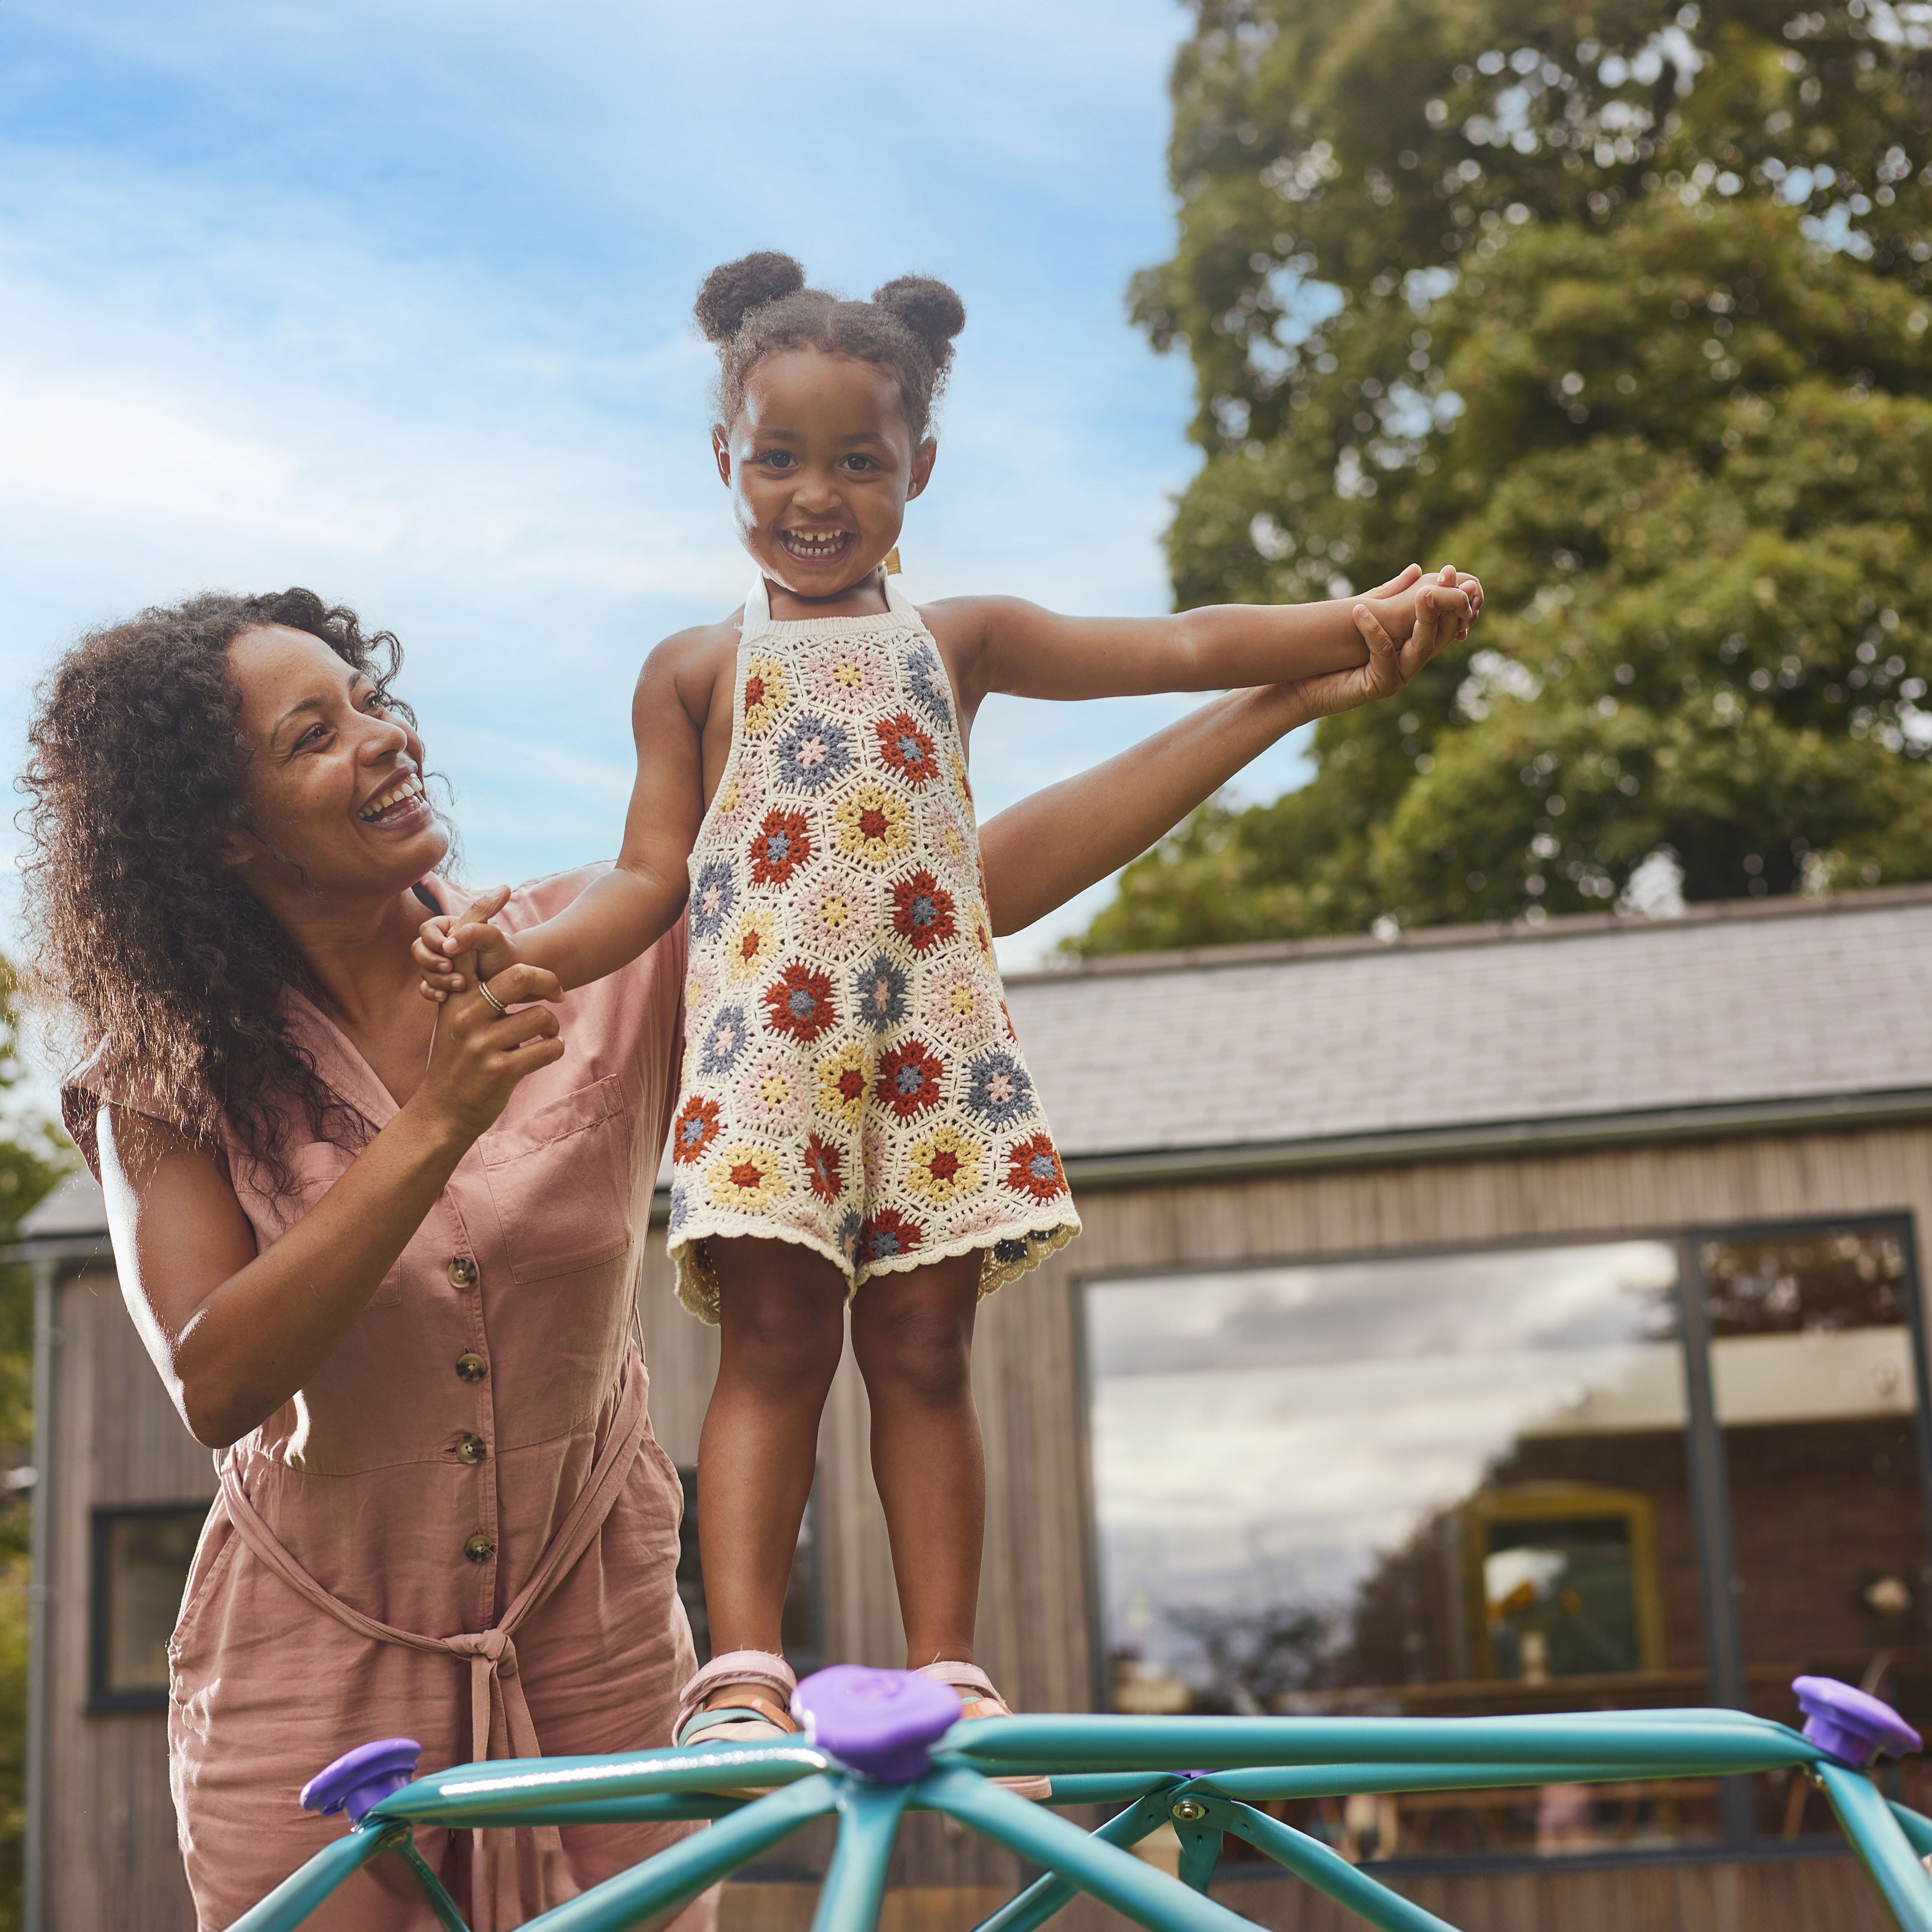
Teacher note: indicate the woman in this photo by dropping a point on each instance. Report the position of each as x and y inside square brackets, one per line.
[382, 1253]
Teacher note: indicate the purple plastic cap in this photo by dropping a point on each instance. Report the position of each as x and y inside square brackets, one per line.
[360, 1780]
[884, 1722]
[1852, 1725]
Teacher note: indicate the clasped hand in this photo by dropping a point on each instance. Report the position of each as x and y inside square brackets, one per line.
[1444, 603]
[443, 941]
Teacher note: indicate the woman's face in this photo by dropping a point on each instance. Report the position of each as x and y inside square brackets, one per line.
[334, 783]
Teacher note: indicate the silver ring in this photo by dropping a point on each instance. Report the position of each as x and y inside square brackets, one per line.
[483, 987]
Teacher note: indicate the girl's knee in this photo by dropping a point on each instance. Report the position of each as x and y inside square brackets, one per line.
[922, 1355]
[784, 1347]
[783, 1359]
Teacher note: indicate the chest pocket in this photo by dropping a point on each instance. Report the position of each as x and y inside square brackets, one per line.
[317, 1168]
[561, 1181]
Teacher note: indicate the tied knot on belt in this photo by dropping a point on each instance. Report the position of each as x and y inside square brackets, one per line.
[494, 1647]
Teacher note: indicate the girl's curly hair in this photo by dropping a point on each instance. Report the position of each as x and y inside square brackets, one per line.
[759, 305]
[151, 956]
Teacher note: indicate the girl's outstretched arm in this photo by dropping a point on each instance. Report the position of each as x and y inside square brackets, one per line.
[628, 909]
[1004, 643]
[1061, 839]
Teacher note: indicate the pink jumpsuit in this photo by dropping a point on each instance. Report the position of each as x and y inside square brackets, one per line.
[460, 1529]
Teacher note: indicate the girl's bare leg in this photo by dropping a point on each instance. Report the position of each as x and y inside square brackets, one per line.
[781, 1322]
[912, 1334]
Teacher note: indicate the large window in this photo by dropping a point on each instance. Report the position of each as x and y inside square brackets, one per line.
[1468, 1483]
[1814, 1374]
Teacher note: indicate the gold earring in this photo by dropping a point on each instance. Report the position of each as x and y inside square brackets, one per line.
[891, 563]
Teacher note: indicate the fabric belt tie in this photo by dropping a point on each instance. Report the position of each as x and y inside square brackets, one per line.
[496, 1687]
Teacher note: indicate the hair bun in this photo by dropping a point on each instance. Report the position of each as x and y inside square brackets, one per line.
[731, 292]
[929, 308]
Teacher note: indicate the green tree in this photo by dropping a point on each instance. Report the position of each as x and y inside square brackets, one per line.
[33, 1156]
[1626, 310]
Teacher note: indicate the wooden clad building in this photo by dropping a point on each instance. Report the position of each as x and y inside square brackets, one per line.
[1490, 1320]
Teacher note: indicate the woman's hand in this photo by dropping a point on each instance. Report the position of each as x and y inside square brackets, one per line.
[234, 1332]
[480, 1052]
[441, 941]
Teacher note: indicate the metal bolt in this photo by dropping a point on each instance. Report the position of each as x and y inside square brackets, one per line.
[1189, 1811]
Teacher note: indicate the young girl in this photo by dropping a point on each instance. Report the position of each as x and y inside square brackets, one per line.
[856, 1123]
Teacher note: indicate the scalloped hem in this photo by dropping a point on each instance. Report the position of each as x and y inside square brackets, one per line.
[1011, 1251]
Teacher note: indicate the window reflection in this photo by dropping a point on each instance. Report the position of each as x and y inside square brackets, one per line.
[1453, 1484]
[1815, 1385]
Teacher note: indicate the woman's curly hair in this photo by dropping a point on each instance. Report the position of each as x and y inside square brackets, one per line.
[153, 959]
[758, 305]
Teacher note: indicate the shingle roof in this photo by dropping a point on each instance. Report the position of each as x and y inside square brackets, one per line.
[1335, 1041]
[1580, 1019]
[76, 1207]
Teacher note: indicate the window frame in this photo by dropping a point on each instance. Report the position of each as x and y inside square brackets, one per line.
[102, 1519]
[1706, 1471]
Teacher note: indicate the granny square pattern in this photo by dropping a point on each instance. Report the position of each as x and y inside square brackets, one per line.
[851, 1081]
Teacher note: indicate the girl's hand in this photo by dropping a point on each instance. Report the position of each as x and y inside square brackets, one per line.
[479, 1055]
[1471, 588]
[444, 939]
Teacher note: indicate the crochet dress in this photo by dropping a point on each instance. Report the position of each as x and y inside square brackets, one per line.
[851, 1078]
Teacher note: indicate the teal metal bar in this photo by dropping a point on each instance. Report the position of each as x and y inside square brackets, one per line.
[1337, 1780]
[1032, 1908]
[302, 1891]
[1260, 1759]
[1100, 1743]
[676, 1876]
[453, 1797]
[868, 1822]
[1917, 1827]
[649, 1808]
[1877, 1838]
[1133, 1888]
[444, 1906]
[1647, 1714]
[1329, 1872]
[1115, 1787]
[1200, 1852]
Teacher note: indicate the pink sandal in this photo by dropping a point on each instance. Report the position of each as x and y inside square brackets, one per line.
[751, 1719]
[978, 1699]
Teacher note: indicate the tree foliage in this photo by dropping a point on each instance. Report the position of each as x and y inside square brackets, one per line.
[33, 1156]
[1626, 310]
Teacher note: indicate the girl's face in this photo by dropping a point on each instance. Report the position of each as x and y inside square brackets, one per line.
[334, 782]
[821, 464]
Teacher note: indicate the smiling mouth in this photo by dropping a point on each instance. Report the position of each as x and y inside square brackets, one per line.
[816, 546]
[400, 800]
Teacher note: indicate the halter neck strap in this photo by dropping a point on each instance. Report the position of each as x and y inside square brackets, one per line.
[757, 608]
[758, 605]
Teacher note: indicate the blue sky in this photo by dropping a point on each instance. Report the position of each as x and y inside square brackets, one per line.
[393, 301]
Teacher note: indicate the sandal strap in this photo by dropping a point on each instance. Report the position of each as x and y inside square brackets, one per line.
[963, 1679]
[762, 1670]
[750, 1709]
